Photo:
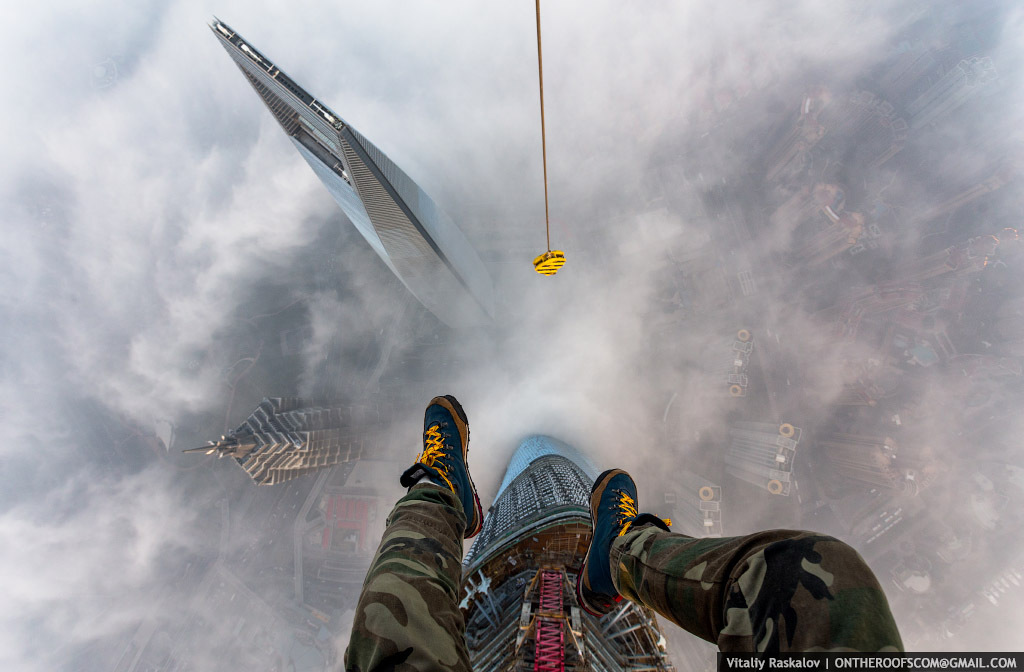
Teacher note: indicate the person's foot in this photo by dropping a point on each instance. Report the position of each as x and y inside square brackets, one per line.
[443, 460]
[613, 510]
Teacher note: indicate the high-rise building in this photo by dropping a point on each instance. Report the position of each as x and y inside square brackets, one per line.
[415, 239]
[877, 520]
[288, 437]
[903, 75]
[336, 532]
[788, 153]
[869, 461]
[952, 90]
[847, 314]
[865, 128]
[964, 258]
[761, 453]
[1003, 173]
[695, 505]
[1009, 326]
[519, 589]
[808, 203]
[820, 240]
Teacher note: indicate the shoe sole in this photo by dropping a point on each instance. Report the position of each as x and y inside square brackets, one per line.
[453, 406]
[600, 484]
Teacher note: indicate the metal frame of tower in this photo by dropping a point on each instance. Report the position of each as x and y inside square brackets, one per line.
[548, 624]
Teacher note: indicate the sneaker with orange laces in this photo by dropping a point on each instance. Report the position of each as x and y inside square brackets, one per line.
[443, 460]
[613, 511]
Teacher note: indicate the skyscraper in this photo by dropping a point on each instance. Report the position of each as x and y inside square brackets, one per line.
[520, 574]
[867, 461]
[865, 128]
[415, 239]
[695, 505]
[967, 257]
[952, 90]
[335, 534]
[788, 152]
[827, 238]
[761, 453]
[902, 77]
[1003, 173]
[285, 438]
[808, 203]
[847, 314]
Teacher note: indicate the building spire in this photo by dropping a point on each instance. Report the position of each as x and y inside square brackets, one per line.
[228, 445]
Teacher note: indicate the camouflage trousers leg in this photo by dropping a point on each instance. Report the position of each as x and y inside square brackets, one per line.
[778, 590]
[408, 615]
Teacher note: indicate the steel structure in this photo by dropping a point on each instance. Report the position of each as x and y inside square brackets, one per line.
[549, 623]
[519, 596]
[415, 239]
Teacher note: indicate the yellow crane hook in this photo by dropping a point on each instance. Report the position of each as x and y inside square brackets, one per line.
[549, 262]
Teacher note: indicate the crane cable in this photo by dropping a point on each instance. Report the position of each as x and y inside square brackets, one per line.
[543, 138]
[549, 262]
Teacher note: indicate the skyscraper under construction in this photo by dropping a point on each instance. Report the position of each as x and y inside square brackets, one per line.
[519, 597]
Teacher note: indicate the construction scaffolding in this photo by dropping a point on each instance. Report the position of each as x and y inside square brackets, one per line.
[519, 596]
[554, 634]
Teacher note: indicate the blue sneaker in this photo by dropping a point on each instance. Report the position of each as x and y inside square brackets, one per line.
[443, 460]
[613, 511]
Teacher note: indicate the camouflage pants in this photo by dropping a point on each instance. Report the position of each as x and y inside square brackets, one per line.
[408, 616]
[770, 591]
[779, 590]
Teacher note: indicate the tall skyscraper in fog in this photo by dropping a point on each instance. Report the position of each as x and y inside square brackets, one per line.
[695, 505]
[418, 242]
[865, 128]
[952, 90]
[285, 438]
[866, 461]
[788, 152]
[521, 573]
[761, 453]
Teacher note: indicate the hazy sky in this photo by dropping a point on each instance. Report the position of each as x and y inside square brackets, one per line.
[145, 191]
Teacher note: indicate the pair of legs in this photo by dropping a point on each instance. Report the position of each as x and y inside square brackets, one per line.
[778, 590]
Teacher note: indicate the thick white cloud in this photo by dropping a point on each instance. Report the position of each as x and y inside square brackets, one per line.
[137, 218]
[86, 560]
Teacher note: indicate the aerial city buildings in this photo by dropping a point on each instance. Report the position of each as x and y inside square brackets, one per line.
[520, 575]
[874, 433]
[694, 505]
[421, 245]
[285, 438]
[951, 90]
[761, 453]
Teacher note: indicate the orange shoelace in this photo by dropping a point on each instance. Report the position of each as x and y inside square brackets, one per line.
[627, 510]
[433, 453]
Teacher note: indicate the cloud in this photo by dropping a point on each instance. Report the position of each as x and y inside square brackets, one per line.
[156, 220]
[99, 548]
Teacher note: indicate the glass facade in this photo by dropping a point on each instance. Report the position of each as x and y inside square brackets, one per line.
[520, 573]
[536, 446]
[418, 242]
